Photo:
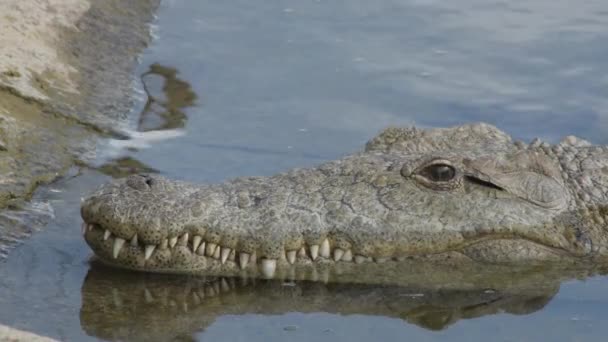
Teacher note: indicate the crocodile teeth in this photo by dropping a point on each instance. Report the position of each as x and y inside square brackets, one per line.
[164, 244]
[196, 241]
[210, 249]
[173, 241]
[314, 252]
[134, 241]
[348, 256]
[83, 228]
[216, 254]
[201, 249]
[118, 243]
[324, 251]
[244, 259]
[338, 254]
[302, 252]
[325, 276]
[106, 234]
[183, 240]
[268, 267]
[291, 257]
[225, 253]
[149, 251]
[359, 259]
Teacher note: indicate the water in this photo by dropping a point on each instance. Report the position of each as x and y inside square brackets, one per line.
[259, 88]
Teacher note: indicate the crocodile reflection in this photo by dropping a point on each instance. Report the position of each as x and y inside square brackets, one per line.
[122, 305]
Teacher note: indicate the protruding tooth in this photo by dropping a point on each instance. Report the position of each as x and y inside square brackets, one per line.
[210, 249]
[268, 267]
[232, 256]
[106, 234]
[314, 276]
[325, 275]
[338, 254]
[225, 254]
[148, 252]
[324, 251]
[360, 258]
[90, 227]
[314, 252]
[244, 259]
[291, 257]
[196, 241]
[134, 241]
[217, 253]
[118, 243]
[183, 240]
[173, 241]
[83, 228]
[164, 244]
[201, 249]
[302, 253]
[348, 256]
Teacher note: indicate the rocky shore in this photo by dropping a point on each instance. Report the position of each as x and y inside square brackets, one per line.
[66, 79]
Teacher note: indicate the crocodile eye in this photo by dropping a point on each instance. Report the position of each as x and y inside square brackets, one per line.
[438, 172]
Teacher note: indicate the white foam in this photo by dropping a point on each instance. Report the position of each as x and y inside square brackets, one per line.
[141, 140]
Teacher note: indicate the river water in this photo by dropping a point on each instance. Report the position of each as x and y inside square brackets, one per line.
[242, 88]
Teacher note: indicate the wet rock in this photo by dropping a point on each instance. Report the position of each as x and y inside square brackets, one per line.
[66, 75]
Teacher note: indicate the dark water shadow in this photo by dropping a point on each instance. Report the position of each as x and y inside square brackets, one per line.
[168, 97]
[123, 305]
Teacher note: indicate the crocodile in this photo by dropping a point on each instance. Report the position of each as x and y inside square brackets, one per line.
[464, 194]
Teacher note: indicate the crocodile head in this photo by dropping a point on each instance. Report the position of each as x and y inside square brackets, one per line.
[461, 193]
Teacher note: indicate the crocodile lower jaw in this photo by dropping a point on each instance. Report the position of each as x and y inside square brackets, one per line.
[191, 253]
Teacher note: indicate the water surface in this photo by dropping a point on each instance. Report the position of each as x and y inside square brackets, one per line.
[256, 88]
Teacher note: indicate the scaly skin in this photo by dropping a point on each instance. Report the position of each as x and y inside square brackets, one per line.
[462, 193]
